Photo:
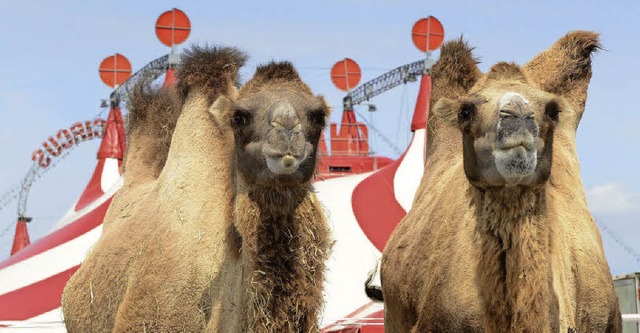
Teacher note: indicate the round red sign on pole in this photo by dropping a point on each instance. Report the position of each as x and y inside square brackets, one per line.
[427, 34]
[173, 27]
[346, 74]
[114, 70]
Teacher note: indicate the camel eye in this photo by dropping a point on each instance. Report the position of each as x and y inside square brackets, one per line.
[317, 117]
[552, 110]
[240, 118]
[466, 113]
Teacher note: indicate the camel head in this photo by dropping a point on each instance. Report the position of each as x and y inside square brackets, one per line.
[507, 129]
[277, 122]
[507, 117]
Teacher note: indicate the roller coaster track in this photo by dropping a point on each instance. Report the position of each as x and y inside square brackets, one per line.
[386, 81]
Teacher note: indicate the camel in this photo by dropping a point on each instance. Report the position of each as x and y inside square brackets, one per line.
[500, 238]
[221, 232]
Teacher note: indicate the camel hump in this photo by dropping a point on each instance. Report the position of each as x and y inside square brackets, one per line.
[213, 69]
[152, 118]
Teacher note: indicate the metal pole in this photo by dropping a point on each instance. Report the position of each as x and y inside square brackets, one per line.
[427, 52]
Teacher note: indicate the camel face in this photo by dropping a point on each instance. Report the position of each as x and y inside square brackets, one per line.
[507, 127]
[277, 130]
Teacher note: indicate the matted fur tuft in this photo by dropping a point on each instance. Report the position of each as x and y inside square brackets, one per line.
[282, 70]
[275, 73]
[152, 118]
[506, 71]
[209, 68]
[452, 70]
[288, 244]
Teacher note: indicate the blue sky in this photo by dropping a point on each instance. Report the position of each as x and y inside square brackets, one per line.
[51, 52]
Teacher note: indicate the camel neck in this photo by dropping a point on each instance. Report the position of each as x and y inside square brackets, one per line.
[514, 269]
[502, 211]
[286, 242]
[191, 163]
[279, 202]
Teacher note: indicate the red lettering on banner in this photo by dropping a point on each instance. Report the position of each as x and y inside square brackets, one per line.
[77, 130]
[65, 138]
[99, 127]
[88, 129]
[46, 163]
[55, 150]
[39, 156]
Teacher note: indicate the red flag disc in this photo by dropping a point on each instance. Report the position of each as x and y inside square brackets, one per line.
[173, 27]
[427, 28]
[114, 70]
[346, 74]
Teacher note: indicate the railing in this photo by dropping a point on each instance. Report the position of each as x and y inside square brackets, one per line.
[152, 71]
[635, 317]
[393, 78]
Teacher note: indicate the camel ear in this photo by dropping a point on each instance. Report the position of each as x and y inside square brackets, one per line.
[329, 110]
[455, 72]
[233, 92]
[221, 109]
[328, 107]
[565, 68]
[446, 109]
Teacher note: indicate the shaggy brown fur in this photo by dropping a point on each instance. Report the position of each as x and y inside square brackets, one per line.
[198, 249]
[472, 258]
[506, 71]
[286, 253]
[152, 267]
[451, 79]
[198, 63]
[285, 239]
[274, 73]
[153, 114]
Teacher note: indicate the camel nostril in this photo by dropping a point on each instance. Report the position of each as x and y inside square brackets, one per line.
[277, 125]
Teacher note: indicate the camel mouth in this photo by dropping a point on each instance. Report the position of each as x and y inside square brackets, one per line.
[525, 141]
[283, 165]
[515, 163]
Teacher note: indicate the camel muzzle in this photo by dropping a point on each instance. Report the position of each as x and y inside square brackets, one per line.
[516, 152]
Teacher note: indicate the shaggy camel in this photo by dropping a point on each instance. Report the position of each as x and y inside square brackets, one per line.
[500, 238]
[226, 235]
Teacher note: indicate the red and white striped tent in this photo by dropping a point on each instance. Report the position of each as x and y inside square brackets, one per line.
[362, 210]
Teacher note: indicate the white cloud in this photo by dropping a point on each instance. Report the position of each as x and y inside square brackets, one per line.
[613, 198]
